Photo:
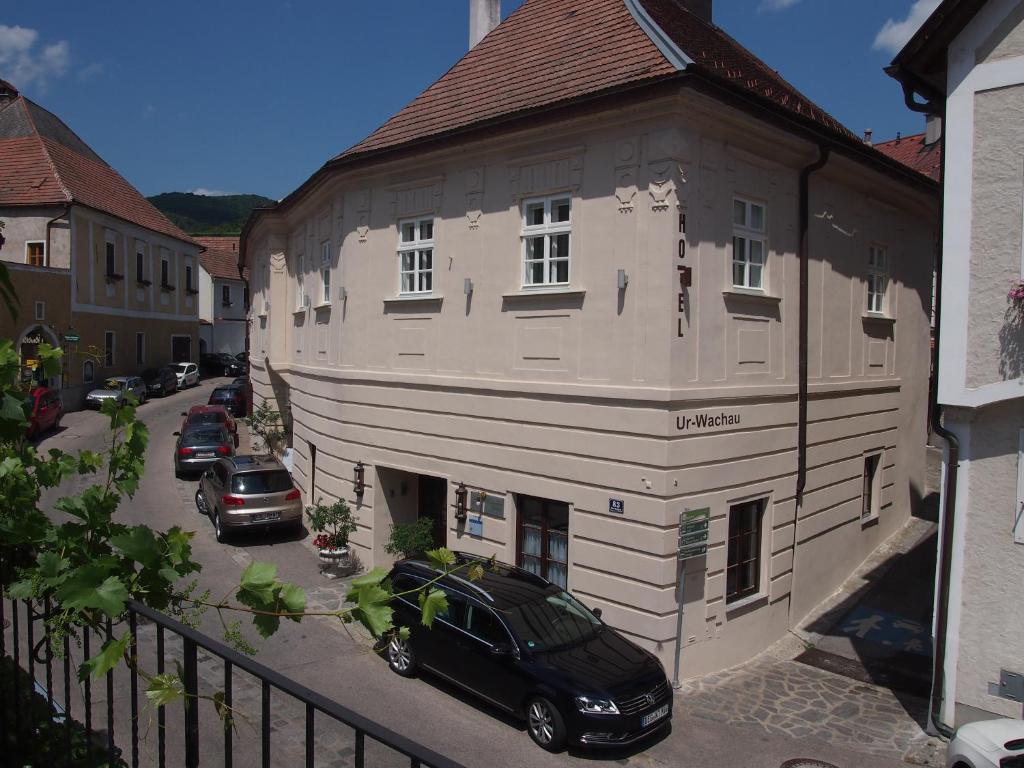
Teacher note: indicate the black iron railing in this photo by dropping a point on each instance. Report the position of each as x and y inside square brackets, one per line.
[216, 723]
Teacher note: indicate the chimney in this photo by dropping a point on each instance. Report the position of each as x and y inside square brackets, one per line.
[699, 8]
[932, 129]
[868, 133]
[484, 15]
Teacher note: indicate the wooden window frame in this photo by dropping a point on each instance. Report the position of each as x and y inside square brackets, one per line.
[753, 589]
[544, 538]
[45, 255]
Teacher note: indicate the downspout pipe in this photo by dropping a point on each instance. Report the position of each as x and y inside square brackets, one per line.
[63, 215]
[948, 512]
[805, 223]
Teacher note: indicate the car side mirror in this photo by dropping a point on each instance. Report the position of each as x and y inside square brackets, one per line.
[501, 650]
[596, 612]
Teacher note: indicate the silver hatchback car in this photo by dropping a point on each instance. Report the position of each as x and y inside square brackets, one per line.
[242, 492]
[117, 388]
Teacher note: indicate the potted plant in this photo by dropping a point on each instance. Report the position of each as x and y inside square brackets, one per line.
[333, 524]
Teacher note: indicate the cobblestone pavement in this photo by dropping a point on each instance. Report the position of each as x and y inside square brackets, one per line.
[785, 697]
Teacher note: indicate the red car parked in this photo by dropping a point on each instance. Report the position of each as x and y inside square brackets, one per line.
[211, 414]
[45, 411]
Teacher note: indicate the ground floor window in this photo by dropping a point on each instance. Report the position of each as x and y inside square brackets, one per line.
[544, 538]
[140, 347]
[181, 349]
[88, 371]
[108, 349]
[743, 569]
[870, 496]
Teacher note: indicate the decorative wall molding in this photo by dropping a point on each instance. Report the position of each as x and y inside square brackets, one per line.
[474, 196]
[417, 198]
[362, 214]
[667, 150]
[546, 174]
[627, 161]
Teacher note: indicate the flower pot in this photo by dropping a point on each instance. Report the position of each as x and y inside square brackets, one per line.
[333, 556]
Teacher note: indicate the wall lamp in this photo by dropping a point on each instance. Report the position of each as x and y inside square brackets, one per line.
[461, 495]
[360, 478]
[622, 280]
[467, 286]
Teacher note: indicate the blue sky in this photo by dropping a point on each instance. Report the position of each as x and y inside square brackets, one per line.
[254, 96]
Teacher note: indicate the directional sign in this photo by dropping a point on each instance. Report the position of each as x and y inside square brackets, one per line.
[72, 337]
[693, 532]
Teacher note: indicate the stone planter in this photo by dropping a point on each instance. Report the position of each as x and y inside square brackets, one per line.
[334, 559]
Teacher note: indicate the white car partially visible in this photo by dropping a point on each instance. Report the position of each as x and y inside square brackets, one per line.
[187, 373]
[987, 744]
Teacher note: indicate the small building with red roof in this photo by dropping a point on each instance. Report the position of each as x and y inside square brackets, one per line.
[97, 269]
[223, 293]
[613, 301]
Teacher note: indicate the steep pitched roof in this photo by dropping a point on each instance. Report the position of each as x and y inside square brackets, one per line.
[46, 163]
[551, 51]
[924, 158]
[221, 256]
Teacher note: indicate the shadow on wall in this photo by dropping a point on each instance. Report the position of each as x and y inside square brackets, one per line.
[1011, 346]
[282, 394]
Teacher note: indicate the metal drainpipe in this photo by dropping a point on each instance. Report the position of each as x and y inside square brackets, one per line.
[805, 221]
[948, 511]
[50, 223]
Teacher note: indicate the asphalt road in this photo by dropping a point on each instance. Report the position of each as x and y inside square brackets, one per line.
[320, 653]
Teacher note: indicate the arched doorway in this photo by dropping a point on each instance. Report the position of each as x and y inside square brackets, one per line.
[28, 346]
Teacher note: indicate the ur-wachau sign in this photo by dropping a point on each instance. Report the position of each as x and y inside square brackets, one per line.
[707, 421]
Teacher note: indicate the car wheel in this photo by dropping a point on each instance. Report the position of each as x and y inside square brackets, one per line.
[401, 658]
[218, 531]
[201, 503]
[545, 724]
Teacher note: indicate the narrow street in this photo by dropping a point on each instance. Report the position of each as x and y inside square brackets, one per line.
[321, 654]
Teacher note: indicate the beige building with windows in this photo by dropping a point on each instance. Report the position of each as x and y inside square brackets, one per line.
[552, 308]
[98, 270]
[967, 63]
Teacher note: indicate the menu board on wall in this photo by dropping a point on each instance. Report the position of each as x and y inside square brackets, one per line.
[488, 504]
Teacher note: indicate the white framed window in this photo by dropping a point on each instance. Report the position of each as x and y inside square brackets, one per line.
[547, 230]
[225, 295]
[871, 495]
[300, 282]
[749, 244]
[40, 310]
[325, 253]
[165, 273]
[878, 277]
[140, 347]
[416, 256]
[35, 253]
[325, 281]
[109, 350]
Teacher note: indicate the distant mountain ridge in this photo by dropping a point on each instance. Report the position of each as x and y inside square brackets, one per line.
[208, 215]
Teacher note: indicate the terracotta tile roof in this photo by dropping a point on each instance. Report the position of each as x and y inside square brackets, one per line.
[221, 256]
[914, 153]
[45, 163]
[551, 51]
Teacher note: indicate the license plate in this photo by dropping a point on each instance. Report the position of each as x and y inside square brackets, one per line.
[204, 454]
[654, 716]
[260, 517]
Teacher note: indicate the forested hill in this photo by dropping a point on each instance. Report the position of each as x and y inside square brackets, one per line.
[208, 215]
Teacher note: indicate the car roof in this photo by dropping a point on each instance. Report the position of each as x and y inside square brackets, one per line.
[249, 461]
[207, 409]
[503, 586]
[119, 378]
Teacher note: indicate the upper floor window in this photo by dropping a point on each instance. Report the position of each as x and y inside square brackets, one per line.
[325, 253]
[35, 253]
[416, 256]
[140, 266]
[748, 244]
[225, 295]
[547, 228]
[188, 277]
[111, 270]
[300, 282]
[165, 272]
[878, 277]
[325, 275]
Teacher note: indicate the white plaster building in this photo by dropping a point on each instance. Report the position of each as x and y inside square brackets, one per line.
[222, 296]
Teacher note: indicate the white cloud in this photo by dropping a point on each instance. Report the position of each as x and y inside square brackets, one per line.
[23, 63]
[894, 34]
[210, 192]
[776, 5]
[89, 71]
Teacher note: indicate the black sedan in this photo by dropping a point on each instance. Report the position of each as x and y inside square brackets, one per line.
[530, 648]
[199, 447]
[160, 381]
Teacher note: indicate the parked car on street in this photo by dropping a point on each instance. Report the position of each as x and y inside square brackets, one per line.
[45, 410]
[117, 388]
[241, 381]
[187, 373]
[987, 744]
[233, 398]
[199, 446]
[529, 647]
[160, 381]
[211, 414]
[220, 364]
[246, 492]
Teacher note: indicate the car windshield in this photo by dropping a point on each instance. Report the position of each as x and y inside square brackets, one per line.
[204, 436]
[265, 481]
[113, 384]
[556, 621]
[210, 417]
[223, 394]
[180, 367]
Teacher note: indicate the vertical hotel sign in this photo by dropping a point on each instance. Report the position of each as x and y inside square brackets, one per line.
[685, 275]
